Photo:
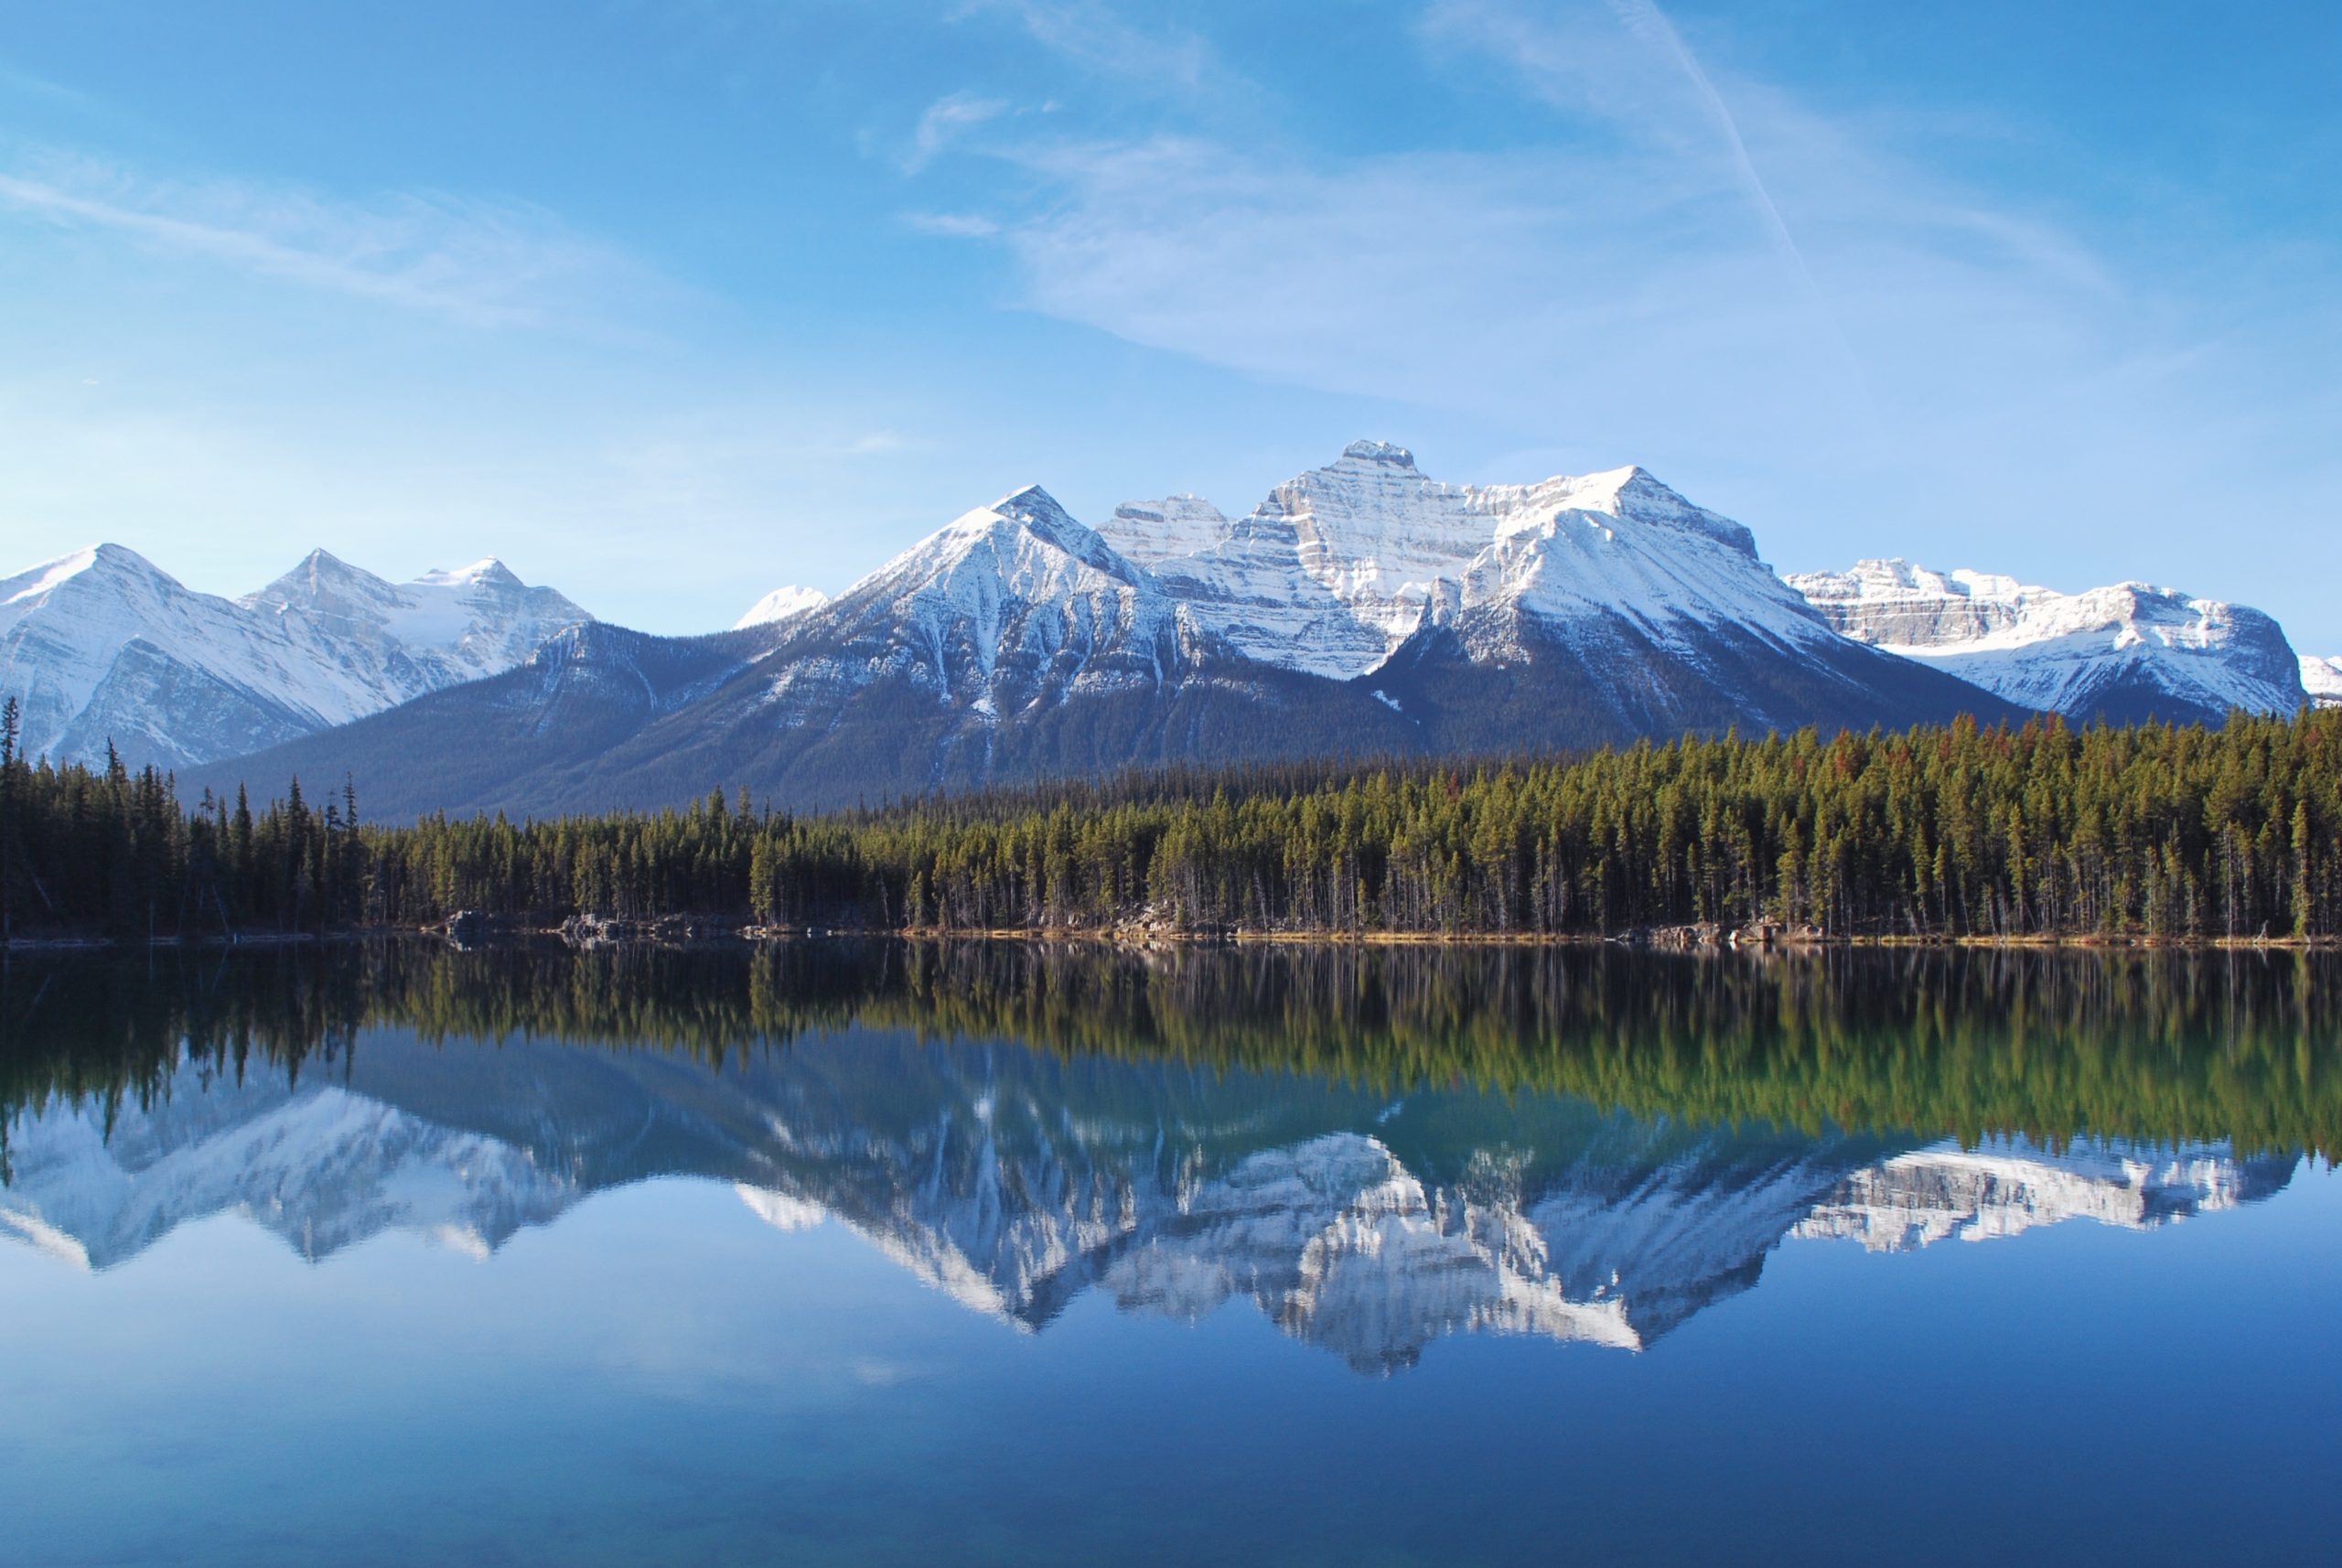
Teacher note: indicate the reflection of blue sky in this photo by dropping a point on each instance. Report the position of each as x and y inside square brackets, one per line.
[663, 1373]
[2051, 293]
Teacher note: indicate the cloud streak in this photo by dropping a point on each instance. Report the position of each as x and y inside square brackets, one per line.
[481, 263]
[945, 119]
[1092, 35]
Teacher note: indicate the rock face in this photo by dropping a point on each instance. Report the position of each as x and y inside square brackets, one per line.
[2322, 679]
[1015, 1182]
[2122, 653]
[1361, 610]
[102, 646]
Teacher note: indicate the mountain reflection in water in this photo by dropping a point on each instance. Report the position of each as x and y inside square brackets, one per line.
[1471, 1141]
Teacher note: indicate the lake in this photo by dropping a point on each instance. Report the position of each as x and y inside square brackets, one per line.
[881, 1253]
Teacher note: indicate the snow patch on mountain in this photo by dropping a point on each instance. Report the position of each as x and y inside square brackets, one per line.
[779, 605]
[2322, 679]
[2121, 651]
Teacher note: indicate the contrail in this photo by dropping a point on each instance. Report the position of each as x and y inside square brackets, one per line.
[1647, 22]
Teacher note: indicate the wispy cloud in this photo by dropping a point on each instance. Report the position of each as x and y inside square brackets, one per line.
[485, 263]
[944, 120]
[25, 84]
[953, 225]
[1095, 36]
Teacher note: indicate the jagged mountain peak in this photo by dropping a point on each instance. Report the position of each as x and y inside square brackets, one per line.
[1023, 547]
[104, 648]
[1038, 512]
[1381, 452]
[1340, 566]
[321, 578]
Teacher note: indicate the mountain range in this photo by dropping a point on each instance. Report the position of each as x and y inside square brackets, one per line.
[1016, 1181]
[1362, 609]
[103, 649]
[2124, 653]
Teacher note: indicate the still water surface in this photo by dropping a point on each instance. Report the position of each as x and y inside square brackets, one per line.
[884, 1253]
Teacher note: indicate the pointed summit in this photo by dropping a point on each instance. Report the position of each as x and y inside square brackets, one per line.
[1033, 505]
[321, 584]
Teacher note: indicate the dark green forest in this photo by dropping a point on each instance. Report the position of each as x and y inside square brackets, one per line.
[2153, 831]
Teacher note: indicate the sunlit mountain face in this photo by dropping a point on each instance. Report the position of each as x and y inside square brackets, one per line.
[936, 1104]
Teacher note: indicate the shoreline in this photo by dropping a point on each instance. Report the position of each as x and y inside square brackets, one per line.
[1665, 940]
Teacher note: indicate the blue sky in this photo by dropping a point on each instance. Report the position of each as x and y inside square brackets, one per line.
[667, 302]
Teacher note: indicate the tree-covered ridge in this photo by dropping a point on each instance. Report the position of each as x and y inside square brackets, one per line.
[2154, 831]
[2152, 1047]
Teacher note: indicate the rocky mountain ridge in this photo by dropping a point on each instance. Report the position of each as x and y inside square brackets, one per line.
[102, 648]
[2122, 653]
[1363, 610]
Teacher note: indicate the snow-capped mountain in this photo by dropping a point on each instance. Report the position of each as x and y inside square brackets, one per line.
[1011, 643]
[2322, 679]
[1014, 1182]
[1363, 609]
[1339, 567]
[1007, 606]
[102, 646]
[779, 605]
[2120, 653]
[1576, 610]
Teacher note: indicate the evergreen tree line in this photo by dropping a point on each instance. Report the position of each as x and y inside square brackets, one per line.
[107, 852]
[2152, 830]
